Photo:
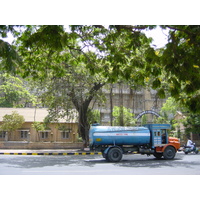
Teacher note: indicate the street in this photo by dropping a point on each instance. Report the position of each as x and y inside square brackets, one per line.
[96, 165]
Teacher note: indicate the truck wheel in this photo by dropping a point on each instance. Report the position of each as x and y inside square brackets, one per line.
[105, 156]
[158, 155]
[169, 153]
[114, 155]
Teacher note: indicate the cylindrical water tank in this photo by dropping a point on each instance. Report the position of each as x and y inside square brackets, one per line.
[118, 135]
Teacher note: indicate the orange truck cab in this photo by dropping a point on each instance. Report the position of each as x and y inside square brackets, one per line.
[160, 141]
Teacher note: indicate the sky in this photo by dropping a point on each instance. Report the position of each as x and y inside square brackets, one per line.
[159, 36]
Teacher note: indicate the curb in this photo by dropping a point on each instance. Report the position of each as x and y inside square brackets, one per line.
[60, 154]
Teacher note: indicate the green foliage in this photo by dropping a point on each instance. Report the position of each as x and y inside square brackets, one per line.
[51, 38]
[181, 62]
[38, 126]
[123, 116]
[168, 111]
[109, 54]
[93, 116]
[9, 58]
[12, 122]
[162, 120]
[13, 92]
[192, 124]
[169, 108]
[117, 51]
[144, 119]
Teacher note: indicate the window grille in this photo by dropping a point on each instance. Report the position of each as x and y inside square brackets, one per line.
[2, 134]
[24, 134]
[44, 134]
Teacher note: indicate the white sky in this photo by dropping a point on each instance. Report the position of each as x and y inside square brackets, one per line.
[159, 37]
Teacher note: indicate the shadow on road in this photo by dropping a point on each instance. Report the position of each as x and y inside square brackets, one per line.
[150, 162]
[92, 161]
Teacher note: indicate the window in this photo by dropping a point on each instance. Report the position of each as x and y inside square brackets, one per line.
[157, 133]
[65, 134]
[44, 134]
[24, 134]
[2, 134]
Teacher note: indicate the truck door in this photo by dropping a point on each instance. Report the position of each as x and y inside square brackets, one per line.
[160, 137]
[157, 137]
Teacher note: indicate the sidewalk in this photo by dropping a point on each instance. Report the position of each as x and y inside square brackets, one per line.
[47, 152]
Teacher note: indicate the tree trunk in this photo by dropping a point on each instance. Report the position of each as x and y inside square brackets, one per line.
[111, 104]
[82, 108]
[83, 125]
[121, 117]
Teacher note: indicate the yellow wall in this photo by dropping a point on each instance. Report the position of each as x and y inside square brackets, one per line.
[54, 134]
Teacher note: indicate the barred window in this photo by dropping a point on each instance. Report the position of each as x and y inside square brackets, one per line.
[44, 134]
[65, 134]
[24, 134]
[2, 134]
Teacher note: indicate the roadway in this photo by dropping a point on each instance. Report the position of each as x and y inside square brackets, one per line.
[96, 165]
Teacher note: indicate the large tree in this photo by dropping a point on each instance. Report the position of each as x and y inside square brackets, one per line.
[119, 44]
[77, 63]
[76, 89]
[122, 51]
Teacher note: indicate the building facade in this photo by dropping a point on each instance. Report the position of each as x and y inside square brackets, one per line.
[137, 100]
[61, 134]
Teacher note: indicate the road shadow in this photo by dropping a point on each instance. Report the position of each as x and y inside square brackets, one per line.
[91, 161]
[144, 162]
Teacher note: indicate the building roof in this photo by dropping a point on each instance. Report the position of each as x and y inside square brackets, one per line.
[32, 114]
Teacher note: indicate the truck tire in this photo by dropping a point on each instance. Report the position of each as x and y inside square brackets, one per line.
[169, 153]
[105, 156]
[114, 155]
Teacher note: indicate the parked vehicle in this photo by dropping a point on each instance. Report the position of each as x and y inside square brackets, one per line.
[114, 141]
[187, 149]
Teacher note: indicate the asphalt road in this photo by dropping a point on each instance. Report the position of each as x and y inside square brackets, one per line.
[96, 165]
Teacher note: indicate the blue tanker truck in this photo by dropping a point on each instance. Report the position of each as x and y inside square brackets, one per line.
[114, 141]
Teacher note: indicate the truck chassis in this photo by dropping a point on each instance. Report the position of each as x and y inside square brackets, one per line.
[115, 153]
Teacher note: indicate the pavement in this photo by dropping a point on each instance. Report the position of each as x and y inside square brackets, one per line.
[47, 152]
[86, 151]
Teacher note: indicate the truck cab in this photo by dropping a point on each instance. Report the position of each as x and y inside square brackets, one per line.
[161, 142]
[159, 134]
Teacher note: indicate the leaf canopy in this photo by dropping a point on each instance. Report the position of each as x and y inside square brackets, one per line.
[117, 52]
